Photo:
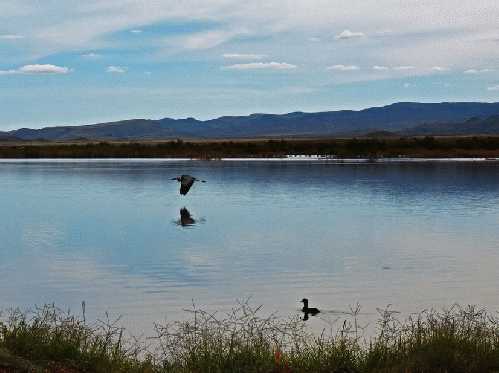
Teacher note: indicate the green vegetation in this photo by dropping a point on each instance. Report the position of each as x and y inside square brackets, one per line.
[454, 340]
[372, 148]
[47, 339]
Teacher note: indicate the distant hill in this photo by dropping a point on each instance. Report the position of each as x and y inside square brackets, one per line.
[395, 117]
[381, 134]
[473, 126]
[405, 118]
[135, 129]
[8, 138]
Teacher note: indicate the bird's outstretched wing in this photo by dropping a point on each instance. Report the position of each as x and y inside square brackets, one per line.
[186, 182]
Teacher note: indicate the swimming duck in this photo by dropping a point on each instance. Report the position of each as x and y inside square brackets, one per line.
[310, 311]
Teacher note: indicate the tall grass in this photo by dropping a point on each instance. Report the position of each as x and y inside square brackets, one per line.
[452, 340]
[47, 335]
[238, 341]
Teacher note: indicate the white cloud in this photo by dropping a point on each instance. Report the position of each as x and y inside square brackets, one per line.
[439, 69]
[488, 37]
[314, 40]
[407, 85]
[115, 69]
[92, 56]
[37, 69]
[235, 56]
[43, 69]
[297, 90]
[384, 33]
[261, 65]
[380, 68]
[443, 47]
[12, 37]
[136, 31]
[403, 68]
[474, 71]
[493, 88]
[208, 39]
[343, 67]
[349, 35]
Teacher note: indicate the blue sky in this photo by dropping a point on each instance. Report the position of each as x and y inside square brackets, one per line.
[91, 61]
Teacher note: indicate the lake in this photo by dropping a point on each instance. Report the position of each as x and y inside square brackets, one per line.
[412, 235]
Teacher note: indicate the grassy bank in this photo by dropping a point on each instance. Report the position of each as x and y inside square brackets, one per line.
[212, 149]
[454, 340]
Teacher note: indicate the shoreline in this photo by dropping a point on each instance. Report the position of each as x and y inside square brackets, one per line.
[298, 159]
[330, 149]
[459, 339]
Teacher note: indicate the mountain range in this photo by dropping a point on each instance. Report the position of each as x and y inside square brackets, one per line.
[399, 119]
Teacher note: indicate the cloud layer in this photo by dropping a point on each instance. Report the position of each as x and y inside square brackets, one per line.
[115, 69]
[236, 56]
[152, 58]
[12, 37]
[344, 68]
[347, 34]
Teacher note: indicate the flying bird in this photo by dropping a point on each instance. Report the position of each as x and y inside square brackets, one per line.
[186, 182]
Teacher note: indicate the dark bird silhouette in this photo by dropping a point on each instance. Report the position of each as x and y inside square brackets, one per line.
[186, 218]
[307, 310]
[186, 182]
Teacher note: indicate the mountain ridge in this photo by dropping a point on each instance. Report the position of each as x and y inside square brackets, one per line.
[402, 118]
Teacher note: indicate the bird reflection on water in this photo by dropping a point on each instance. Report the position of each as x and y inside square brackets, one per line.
[186, 219]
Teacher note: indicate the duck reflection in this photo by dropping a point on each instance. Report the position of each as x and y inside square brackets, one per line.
[186, 219]
[308, 311]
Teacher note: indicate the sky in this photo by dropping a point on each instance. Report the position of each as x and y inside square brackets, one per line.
[93, 61]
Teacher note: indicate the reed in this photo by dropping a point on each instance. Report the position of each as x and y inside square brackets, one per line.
[45, 337]
[452, 340]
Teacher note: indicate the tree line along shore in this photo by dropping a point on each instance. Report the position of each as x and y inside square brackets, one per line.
[372, 148]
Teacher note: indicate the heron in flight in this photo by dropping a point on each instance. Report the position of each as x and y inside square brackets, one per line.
[186, 182]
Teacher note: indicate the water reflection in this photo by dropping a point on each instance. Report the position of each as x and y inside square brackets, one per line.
[411, 235]
[186, 219]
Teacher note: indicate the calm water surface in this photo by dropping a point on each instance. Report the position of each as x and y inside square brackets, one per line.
[110, 233]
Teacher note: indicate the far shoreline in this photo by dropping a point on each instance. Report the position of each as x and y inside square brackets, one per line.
[333, 149]
[296, 159]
